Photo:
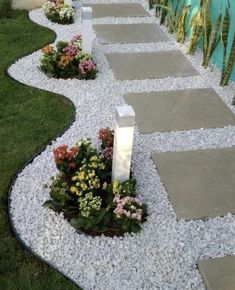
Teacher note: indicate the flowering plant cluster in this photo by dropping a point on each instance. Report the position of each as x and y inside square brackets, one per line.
[58, 12]
[66, 60]
[84, 192]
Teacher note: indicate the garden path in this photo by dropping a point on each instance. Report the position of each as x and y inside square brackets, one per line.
[200, 183]
[185, 121]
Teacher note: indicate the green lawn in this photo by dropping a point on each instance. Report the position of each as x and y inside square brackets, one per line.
[29, 119]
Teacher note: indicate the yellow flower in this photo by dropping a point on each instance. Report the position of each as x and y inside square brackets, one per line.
[83, 186]
[116, 186]
[93, 158]
[81, 175]
[92, 173]
[94, 165]
[74, 178]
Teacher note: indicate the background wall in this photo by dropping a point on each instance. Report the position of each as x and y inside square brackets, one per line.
[218, 6]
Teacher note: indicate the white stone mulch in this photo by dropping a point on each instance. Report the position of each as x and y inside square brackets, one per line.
[165, 253]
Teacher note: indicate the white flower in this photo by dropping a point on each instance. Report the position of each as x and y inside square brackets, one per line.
[66, 12]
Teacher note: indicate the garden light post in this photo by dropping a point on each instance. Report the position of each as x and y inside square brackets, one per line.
[123, 142]
[87, 31]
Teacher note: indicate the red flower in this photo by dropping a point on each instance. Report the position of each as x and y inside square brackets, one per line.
[62, 153]
[106, 135]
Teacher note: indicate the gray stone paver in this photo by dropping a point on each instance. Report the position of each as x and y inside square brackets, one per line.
[179, 110]
[150, 65]
[118, 10]
[219, 273]
[200, 183]
[129, 33]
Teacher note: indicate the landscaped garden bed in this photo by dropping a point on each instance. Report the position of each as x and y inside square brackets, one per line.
[164, 253]
[84, 192]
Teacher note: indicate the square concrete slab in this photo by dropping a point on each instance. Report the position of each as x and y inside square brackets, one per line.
[200, 183]
[179, 110]
[129, 33]
[118, 10]
[219, 273]
[150, 65]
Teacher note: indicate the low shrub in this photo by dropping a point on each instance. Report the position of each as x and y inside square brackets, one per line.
[58, 12]
[84, 192]
[66, 60]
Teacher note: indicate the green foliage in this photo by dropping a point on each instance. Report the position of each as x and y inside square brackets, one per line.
[98, 221]
[5, 9]
[180, 24]
[213, 40]
[84, 192]
[30, 118]
[66, 60]
[58, 12]
[224, 40]
[228, 66]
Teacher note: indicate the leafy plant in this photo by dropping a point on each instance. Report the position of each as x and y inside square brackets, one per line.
[206, 28]
[66, 60]
[213, 41]
[84, 192]
[196, 24]
[181, 23]
[224, 40]
[5, 8]
[58, 12]
[228, 67]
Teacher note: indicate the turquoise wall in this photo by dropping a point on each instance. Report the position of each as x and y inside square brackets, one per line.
[218, 6]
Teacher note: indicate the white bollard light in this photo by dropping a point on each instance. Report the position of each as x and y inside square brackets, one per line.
[123, 143]
[87, 31]
[68, 2]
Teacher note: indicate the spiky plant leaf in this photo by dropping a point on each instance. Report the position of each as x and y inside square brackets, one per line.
[228, 65]
[214, 40]
[206, 27]
[180, 24]
[224, 39]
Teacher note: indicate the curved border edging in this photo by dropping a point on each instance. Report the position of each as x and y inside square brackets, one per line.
[15, 175]
[9, 191]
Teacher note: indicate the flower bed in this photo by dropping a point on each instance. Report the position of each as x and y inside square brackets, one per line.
[58, 12]
[67, 60]
[84, 192]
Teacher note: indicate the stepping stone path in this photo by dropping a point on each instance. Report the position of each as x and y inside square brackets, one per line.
[200, 183]
[150, 65]
[218, 273]
[118, 10]
[129, 33]
[178, 109]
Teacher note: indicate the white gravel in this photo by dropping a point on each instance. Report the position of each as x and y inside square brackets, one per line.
[165, 253]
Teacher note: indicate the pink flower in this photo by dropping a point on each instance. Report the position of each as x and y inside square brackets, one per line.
[76, 38]
[70, 50]
[86, 66]
[108, 153]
